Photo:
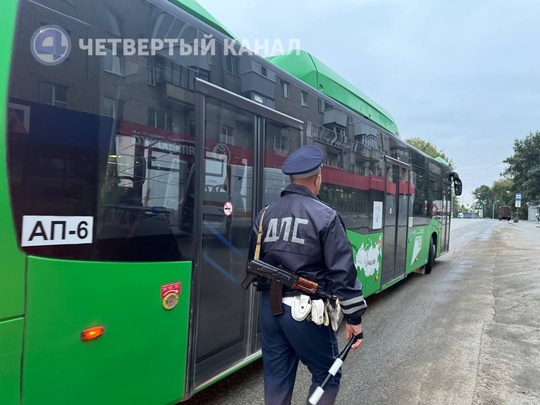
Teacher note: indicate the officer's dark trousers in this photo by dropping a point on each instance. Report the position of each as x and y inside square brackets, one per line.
[284, 342]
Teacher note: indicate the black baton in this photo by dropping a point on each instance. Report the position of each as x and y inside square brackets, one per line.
[318, 393]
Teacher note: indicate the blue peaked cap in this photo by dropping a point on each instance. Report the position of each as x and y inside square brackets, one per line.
[303, 161]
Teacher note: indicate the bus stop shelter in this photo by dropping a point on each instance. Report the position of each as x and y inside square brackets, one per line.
[533, 211]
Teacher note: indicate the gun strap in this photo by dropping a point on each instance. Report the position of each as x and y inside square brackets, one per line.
[276, 289]
[259, 236]
[250, 278]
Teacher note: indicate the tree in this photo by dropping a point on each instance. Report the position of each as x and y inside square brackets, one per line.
[483, 196]
[524, 168]
[503, 190]
[431, 150]
[501, 193]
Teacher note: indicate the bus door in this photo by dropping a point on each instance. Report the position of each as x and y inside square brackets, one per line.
[230, 187]
[395, 220]
[445, 215]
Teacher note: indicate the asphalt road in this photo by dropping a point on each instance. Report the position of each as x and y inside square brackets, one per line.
[468, 333]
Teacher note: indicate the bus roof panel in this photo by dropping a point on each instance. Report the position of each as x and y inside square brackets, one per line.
[442, 161]
[195, 9]
[312, 71]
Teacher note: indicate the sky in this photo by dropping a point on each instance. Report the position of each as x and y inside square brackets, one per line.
[461, 74]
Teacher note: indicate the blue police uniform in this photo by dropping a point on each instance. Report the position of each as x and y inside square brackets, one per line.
[307, 236]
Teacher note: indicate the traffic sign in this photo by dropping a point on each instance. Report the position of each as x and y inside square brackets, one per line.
[518, 197]
[228, 208]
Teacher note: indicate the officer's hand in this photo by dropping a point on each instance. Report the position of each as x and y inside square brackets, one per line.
[354, 330]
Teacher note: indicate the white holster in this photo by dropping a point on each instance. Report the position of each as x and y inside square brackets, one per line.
[300, 307]
[317, 311]
[333, 314]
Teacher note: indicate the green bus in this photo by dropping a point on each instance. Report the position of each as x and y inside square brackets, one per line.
[140, 139]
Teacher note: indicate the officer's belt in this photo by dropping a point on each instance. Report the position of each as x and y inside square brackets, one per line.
[317, 311]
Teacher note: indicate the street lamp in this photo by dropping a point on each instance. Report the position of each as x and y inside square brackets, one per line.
[493, 209]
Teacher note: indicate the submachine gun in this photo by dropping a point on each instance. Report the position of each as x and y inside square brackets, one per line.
[287, 278]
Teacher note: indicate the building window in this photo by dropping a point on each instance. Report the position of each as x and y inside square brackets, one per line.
[112, 63]
[323, 106]
[152, 118]
[304, 99]
[176, 74]
[53, 94]
[108, 107]
[285, 89]
[160, 119]
[226, 135]
[151, 68]
[263, 71]
[269, 102]
[333, 159]
[280, 144]
[233, 65]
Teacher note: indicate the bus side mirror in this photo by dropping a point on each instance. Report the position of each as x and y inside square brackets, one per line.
[458, 186]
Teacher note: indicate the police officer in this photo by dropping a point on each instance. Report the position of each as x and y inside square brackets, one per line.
[308, 237]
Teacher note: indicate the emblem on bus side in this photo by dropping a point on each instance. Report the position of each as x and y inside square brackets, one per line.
[170, 293]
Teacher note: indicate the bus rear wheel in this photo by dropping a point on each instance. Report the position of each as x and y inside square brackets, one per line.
[431, 257]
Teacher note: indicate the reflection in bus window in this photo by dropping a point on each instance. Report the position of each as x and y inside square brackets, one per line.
[140, 200]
